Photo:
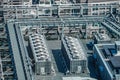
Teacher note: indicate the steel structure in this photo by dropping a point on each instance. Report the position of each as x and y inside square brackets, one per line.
[47, 15]
[112, 25]
[36, 11]
[20, 54]
[7, 64]
[52, 15]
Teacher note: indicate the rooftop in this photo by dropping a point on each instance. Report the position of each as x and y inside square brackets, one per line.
[117, 42]
[109, 56]
[115, 61]
[92, 1]
[77, 78]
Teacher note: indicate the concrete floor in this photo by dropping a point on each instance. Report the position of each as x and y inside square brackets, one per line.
[59, 63]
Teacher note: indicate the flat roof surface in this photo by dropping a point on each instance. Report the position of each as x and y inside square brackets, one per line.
[117, 42]
[16, 53]
[92, 1]
[77, 78]
[115, 61]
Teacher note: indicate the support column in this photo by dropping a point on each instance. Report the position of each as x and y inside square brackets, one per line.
[37, 9]
[50, 12]
[81, 10]
[71, 12]
[111, 9]
[86, 30]
[62, 33]
[16, 16]
[59, 11]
